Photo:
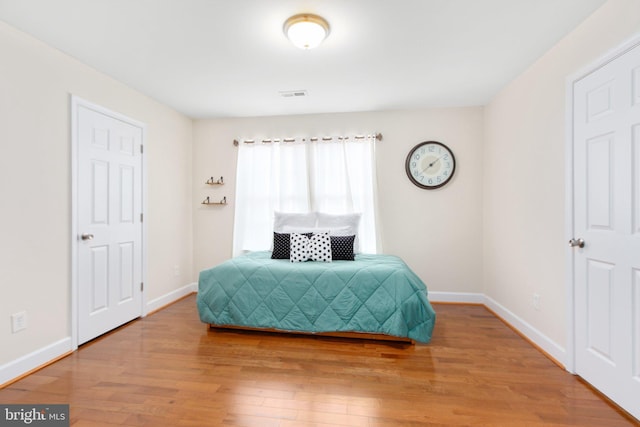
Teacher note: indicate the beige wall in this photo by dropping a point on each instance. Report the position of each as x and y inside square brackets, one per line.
[438, 233]
[35, 185]
[525, 240]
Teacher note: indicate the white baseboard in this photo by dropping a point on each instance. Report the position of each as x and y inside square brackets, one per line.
[538, 338]
[458, 297]
[535, 336]
[158, 303]
[16, 368]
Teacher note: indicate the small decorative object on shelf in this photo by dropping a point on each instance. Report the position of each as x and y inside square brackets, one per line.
[210, 181]
[208, 201]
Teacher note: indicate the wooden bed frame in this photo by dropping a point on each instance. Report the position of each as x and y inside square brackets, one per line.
[337, 334]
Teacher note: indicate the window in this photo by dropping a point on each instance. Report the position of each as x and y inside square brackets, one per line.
[335, 177]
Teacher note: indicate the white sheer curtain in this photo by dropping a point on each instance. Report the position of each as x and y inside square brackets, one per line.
[335, 177]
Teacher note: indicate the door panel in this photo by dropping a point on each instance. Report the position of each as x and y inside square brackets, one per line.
[127, 184]
[600, 309]
[636, 86]
[99, 285]
[127, 268]
[599, 191]
[636, 324]
[99, 186]
[600, 102]
[636, 179]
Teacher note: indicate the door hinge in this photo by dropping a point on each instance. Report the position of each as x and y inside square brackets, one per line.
[141, 217]
[141, 149]
[141, 286]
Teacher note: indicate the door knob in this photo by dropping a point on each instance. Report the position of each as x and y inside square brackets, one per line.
[87, 237]
[579, 243]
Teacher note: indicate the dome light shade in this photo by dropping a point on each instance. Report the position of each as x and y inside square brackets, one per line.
[306, 31]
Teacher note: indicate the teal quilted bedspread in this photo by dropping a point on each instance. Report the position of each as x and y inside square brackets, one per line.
[375, 294]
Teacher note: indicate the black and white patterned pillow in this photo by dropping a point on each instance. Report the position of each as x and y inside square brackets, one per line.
[342, 248]
[281, 246]
[316, 248]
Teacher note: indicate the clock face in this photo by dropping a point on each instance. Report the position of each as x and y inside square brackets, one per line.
[430, 165]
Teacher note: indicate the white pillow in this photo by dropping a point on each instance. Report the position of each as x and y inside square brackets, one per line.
[341, 225]
[302, 230]
[300, 220]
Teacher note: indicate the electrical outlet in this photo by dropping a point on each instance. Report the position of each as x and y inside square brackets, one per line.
[18, 321]
[536, 301]
[176, 270]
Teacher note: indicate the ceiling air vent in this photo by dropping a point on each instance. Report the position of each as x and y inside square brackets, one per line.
[293, 93]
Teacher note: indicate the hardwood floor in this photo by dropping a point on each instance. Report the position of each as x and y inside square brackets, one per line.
[168, 370]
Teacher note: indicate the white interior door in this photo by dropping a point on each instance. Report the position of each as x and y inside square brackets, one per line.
[606, 192]
[109, 221]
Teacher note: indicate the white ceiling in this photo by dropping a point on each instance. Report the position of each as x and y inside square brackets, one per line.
[228, 58]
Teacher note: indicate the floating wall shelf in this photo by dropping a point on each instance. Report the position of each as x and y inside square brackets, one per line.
[211, 181]
[208, 201]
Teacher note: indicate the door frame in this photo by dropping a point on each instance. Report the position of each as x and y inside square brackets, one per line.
[631, 43]
[77, 102]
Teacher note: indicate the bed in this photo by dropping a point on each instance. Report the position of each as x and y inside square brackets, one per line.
[371, 296]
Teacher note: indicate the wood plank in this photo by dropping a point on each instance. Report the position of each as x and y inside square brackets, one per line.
[169, 370]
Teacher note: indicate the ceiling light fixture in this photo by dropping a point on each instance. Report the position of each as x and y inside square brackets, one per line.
[306, 31]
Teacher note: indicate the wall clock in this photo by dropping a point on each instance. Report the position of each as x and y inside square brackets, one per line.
[430, 165]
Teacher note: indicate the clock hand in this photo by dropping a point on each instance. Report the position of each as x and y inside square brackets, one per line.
[432, 163]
